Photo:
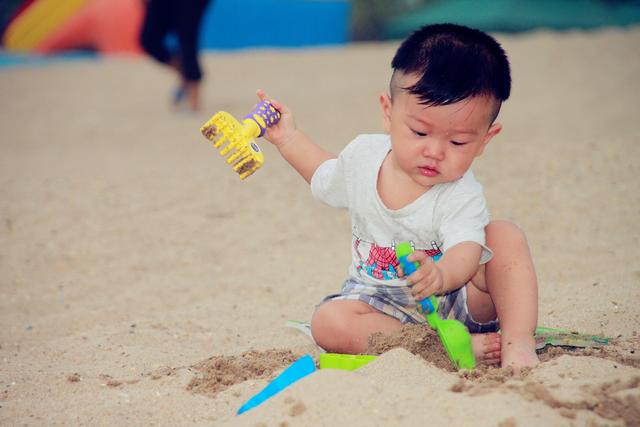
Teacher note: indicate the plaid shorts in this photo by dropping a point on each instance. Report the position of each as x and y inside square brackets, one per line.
[397, 302]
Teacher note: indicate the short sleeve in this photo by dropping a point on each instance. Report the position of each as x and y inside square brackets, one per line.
[328, 183]
[335, 181]
[463, 218]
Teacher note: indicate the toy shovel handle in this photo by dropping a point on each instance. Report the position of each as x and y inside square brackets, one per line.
[403, 250]
[265, 115]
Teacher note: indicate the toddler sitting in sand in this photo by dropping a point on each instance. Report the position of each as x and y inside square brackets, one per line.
[414, 184]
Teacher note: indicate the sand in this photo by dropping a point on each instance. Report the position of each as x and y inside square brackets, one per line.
[130, 254]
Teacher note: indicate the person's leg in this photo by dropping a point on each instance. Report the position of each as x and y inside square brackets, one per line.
[189, 17]
[156, 25]
[507, 287]
[343, 326]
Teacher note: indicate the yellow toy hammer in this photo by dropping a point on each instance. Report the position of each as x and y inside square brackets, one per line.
[246, 157]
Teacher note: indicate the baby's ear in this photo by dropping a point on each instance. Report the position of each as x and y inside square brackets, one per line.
[385, 104]
[494, 129]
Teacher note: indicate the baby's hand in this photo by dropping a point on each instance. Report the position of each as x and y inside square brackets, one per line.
[427, 279]
[282, 132]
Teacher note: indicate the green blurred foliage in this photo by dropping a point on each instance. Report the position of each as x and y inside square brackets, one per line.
[369, 17]
[385, 19]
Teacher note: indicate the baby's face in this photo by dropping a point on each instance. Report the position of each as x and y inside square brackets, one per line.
[436, 144]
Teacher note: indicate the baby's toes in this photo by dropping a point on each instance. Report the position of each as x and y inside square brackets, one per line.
[486, 348]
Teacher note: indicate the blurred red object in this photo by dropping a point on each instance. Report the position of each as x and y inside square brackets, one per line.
[108, 26]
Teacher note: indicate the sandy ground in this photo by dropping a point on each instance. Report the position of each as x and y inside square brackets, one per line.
[129, 253]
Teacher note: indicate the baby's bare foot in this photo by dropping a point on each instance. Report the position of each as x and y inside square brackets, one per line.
[486, 348]
[519, 352]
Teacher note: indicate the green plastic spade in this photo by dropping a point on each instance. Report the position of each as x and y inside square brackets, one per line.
[455, 337]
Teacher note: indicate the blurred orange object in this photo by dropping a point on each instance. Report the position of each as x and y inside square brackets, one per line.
[108, 26]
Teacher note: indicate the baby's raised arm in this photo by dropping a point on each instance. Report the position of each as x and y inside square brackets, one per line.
[295, 147]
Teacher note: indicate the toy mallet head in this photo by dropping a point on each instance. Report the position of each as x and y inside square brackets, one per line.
[246, 157]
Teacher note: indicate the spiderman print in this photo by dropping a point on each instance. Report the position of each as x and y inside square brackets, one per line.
[381, 262]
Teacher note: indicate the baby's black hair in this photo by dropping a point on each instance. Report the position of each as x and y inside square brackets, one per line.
[454, 62]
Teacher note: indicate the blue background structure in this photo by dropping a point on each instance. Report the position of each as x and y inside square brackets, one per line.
[233, 24]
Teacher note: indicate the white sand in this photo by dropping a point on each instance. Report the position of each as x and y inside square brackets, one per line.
[126, 246]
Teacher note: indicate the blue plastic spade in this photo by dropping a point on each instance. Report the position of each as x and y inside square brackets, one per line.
[297, 370]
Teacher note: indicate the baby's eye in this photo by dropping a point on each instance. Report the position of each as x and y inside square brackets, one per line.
[419, 133]
[458, 143]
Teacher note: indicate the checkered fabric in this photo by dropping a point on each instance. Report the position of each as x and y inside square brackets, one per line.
[397, 302]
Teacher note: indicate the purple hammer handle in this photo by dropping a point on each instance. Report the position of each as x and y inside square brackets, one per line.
[267, 113]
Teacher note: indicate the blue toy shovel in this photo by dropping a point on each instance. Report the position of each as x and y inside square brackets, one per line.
[297, 370]
[453, 334]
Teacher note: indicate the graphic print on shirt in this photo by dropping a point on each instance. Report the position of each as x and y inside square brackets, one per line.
[381, 262]
[434, 252]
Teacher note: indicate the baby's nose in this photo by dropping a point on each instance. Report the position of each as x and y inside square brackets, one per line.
[434, 149]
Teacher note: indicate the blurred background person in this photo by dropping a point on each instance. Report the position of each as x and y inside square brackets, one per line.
[182, 18]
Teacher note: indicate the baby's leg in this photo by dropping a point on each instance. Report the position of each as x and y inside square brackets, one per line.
[343, 326]
[511, 283]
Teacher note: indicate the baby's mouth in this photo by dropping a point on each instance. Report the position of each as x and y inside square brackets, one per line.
[428, 171]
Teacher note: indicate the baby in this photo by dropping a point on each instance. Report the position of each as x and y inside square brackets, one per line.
[414, 184]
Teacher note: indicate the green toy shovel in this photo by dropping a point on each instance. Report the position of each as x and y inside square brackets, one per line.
[455, 337]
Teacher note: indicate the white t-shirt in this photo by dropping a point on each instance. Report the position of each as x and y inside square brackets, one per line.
[445, 215]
